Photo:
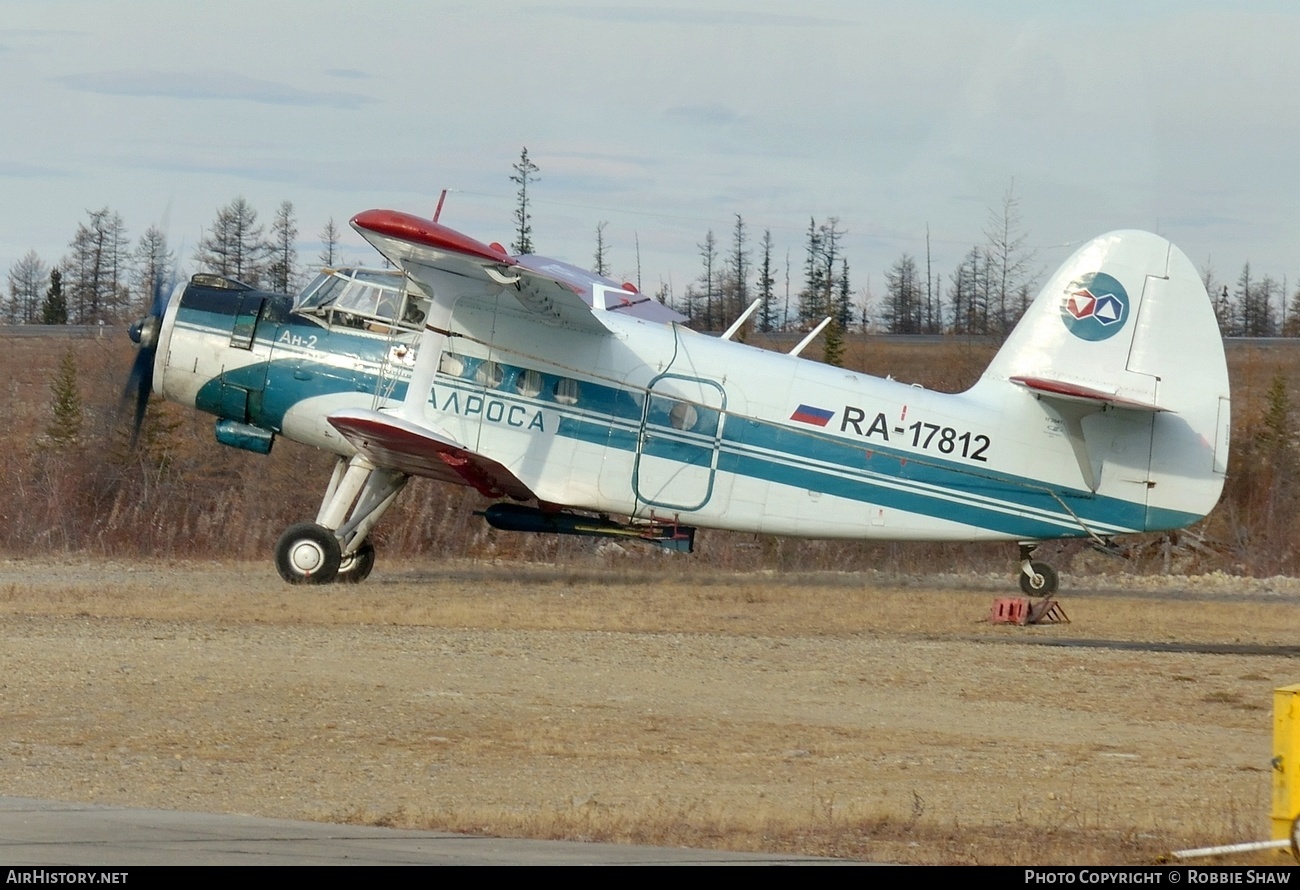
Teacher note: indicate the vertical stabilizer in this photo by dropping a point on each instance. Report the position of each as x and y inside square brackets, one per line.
[1121, 355]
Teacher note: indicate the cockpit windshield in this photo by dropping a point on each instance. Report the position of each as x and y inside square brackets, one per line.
[364, 299]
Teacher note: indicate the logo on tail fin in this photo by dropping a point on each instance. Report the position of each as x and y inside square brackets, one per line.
[1095, 307]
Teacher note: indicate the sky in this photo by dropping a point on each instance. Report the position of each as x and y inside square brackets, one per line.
[664, 120]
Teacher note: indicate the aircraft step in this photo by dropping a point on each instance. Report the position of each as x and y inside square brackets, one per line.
[1021, 610]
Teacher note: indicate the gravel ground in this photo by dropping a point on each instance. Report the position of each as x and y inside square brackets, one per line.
[468, 697]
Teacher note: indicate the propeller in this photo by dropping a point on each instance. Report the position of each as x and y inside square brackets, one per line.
[139, 383]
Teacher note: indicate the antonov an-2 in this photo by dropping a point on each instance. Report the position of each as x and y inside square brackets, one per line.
[584, 407]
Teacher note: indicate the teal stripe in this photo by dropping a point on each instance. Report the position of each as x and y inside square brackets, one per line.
[763, 450]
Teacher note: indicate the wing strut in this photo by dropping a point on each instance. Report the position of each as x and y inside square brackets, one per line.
[744, 317]
[812, 335]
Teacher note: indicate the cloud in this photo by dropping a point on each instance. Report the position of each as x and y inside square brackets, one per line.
[711, 115]
[218, 85]
[348, 73]
[649, 15]
[21, 170]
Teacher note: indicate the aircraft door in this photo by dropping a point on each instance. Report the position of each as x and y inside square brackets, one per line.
[243, 375]
[677, 449]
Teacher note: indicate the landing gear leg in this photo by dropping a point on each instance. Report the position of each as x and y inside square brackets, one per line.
[335, 546]
[1036, 578]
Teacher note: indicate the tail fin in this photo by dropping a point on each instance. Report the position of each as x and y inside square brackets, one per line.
[1122, 351]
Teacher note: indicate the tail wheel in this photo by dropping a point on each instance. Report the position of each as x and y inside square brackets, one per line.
[1043, 582]
[308, 553]
[356, 566]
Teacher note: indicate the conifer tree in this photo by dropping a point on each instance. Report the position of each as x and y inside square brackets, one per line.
[64, 429]
[55, 308]
[525, 172]
[833, 344]
[766, 309]
[601, 267]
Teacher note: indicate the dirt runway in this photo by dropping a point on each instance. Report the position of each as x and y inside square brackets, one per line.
[846, 715]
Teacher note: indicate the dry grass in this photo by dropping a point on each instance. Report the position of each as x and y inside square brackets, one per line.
[184, 495]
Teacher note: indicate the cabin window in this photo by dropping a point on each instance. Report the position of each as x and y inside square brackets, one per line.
[528, 383]
[683, 416]
[566, 391]
[489, 375]
[451, 364]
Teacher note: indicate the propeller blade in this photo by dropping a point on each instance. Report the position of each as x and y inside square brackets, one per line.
[139, 383]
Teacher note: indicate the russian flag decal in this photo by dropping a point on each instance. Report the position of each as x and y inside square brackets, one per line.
[814, 416]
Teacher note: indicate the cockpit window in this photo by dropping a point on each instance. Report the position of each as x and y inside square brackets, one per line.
[326, 286]
[363, 299]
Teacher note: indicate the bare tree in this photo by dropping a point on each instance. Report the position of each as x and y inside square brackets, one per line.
[154, 266]
[904, 310]
[329, 239]
[283, 267]
[26, 282]
[1009, 261]
[95, 270]
[968, 295]
[234, 246]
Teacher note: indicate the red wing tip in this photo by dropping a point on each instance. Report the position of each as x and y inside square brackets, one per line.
[427, 233]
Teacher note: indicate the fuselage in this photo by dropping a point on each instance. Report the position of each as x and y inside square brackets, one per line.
[659, 422]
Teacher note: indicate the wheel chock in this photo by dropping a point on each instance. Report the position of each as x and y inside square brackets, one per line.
[1010, 610]
[1047, 611]
[1021, 610]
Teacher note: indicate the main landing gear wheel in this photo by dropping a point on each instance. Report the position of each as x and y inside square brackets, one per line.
[1043, 582]
[308, 553]
[356, 567]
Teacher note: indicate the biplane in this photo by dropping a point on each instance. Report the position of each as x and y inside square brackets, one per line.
[580, 406]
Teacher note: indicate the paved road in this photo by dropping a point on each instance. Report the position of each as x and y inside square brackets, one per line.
[50, 834]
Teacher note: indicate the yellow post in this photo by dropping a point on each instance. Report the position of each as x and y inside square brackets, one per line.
[1286, 760]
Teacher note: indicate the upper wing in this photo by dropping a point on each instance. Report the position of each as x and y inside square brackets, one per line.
[559, 293]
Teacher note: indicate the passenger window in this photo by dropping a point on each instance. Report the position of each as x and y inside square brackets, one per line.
[451, 364]
[683, 416]
[528, 384]
[489, 374]
[566, 391]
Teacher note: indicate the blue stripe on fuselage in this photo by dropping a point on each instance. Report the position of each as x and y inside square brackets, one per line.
[771, 451]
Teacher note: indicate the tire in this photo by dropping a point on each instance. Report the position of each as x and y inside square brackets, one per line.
[308, 554]
[356, 567]
[1047, 585]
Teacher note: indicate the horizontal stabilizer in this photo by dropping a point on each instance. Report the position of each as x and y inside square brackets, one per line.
[394, 443]
[1073, 392]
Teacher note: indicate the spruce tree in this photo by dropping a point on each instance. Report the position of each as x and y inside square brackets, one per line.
[525, 172]
[55, 308]
[64, 429]
[833, 345]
